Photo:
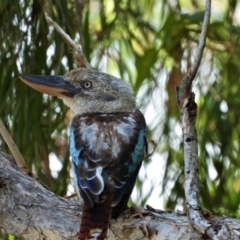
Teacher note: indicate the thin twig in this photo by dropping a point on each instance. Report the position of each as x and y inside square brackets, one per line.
[68, 40]
[71, 196]
[154, 145]
[13, 148]
[202, 40]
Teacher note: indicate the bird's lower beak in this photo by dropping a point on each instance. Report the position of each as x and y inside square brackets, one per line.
[52, 85]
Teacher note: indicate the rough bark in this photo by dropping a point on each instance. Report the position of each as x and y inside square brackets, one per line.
[30, 211]
[188, 111]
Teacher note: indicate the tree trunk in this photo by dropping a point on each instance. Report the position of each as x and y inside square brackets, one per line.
[30, 211]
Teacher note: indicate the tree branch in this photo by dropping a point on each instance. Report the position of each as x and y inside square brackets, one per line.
[30, 211]
[13, 148]
[188, 110]
[68, 39]
[202, 40]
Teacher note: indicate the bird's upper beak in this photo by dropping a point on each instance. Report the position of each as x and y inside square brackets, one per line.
[52, 85]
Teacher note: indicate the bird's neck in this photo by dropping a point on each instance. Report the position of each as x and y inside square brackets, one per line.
[78, 106]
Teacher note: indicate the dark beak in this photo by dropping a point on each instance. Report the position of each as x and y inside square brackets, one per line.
[52, 85]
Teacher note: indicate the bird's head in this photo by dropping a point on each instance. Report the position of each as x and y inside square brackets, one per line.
[85, 90]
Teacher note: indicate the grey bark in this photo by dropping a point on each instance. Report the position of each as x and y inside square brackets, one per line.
[30, 211]
[188, 111]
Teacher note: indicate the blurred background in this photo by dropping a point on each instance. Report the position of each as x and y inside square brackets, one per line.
[150, 44]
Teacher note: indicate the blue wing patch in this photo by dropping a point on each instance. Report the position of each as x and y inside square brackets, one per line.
[89, 179]
[139, 151]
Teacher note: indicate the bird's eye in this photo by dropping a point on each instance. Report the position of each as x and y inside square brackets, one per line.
[87, 84]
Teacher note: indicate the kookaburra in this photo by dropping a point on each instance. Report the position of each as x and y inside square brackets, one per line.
[107, 141]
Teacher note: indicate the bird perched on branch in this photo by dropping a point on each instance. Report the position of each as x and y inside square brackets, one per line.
[107, 141]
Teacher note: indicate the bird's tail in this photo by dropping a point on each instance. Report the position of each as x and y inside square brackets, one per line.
[95, 220]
